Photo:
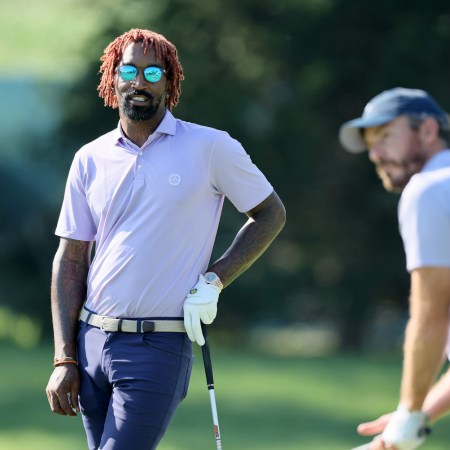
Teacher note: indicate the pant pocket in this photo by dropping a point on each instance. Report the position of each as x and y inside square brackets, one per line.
[187, 379]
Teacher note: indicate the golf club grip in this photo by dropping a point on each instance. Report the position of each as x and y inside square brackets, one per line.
[207, 360]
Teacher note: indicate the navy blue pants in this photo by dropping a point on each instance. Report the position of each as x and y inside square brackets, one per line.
[131, 385]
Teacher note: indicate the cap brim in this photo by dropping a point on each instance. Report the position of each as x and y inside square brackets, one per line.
[350, 132]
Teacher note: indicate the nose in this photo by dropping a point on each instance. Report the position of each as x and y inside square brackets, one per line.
[139, 80]
[375, 152]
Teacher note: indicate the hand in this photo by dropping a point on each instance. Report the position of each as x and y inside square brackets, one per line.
[62, 390]
[407, 430]
[200, 305]
[379, 444]
[372, 428]
[375, 426]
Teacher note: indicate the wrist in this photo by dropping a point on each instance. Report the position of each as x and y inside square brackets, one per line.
[65, 360]
[404, 411]
[213, 279]
[406, 428]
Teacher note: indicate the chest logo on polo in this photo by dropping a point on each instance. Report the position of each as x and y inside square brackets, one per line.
[174, 179]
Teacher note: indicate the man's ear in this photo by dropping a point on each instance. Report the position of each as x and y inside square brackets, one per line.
[429, 130]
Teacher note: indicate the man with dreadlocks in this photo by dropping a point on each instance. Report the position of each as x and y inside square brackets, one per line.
[150, 195]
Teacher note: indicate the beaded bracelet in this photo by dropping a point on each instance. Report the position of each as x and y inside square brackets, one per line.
[65, 360]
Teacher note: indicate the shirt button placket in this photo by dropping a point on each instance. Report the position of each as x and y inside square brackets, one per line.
[139, 177]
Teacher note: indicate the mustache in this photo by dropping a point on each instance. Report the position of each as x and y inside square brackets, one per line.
[405, 163]
[137, 92]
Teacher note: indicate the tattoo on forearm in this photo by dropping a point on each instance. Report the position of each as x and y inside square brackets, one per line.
[69, 281]
[250, 243]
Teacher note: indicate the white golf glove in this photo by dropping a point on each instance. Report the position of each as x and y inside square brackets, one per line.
[407, 430]
[200, 305]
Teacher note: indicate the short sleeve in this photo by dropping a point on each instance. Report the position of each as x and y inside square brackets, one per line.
[234, 175]
[75, 219]
[424, 220]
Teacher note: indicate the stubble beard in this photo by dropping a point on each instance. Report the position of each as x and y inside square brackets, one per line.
[395, 175]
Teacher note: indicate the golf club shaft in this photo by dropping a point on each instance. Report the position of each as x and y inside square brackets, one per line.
[210, 383]
[363, 447]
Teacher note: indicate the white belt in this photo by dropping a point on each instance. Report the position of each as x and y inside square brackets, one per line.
[113, 324]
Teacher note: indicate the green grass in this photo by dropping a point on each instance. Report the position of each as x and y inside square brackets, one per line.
[263, 402]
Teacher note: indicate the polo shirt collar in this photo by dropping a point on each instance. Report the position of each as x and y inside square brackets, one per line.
[438, 161]
[167, 126]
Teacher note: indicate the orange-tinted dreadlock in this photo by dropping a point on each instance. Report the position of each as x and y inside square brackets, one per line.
[165, 51]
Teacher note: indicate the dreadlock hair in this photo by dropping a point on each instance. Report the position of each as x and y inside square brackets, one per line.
[165, 51]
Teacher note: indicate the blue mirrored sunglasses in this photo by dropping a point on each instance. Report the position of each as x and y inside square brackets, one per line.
[152, 73]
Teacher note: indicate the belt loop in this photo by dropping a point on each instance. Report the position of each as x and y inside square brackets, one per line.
[119, 325]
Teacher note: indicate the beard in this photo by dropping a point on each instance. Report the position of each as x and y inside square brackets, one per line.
[395, 175]
[140, 113]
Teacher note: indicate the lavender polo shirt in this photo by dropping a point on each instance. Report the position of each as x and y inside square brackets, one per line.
[154, 212]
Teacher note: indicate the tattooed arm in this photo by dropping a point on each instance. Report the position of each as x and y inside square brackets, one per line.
[265, 221]
[69, 277]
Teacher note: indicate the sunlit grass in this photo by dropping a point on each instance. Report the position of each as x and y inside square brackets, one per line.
[263, 403]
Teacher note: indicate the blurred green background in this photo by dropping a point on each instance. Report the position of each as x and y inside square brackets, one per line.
[307, 342]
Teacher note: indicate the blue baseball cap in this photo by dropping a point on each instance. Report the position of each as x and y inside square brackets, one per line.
[385, 107]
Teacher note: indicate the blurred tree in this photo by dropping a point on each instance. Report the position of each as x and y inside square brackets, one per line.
[24, 242]
[281, 77]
